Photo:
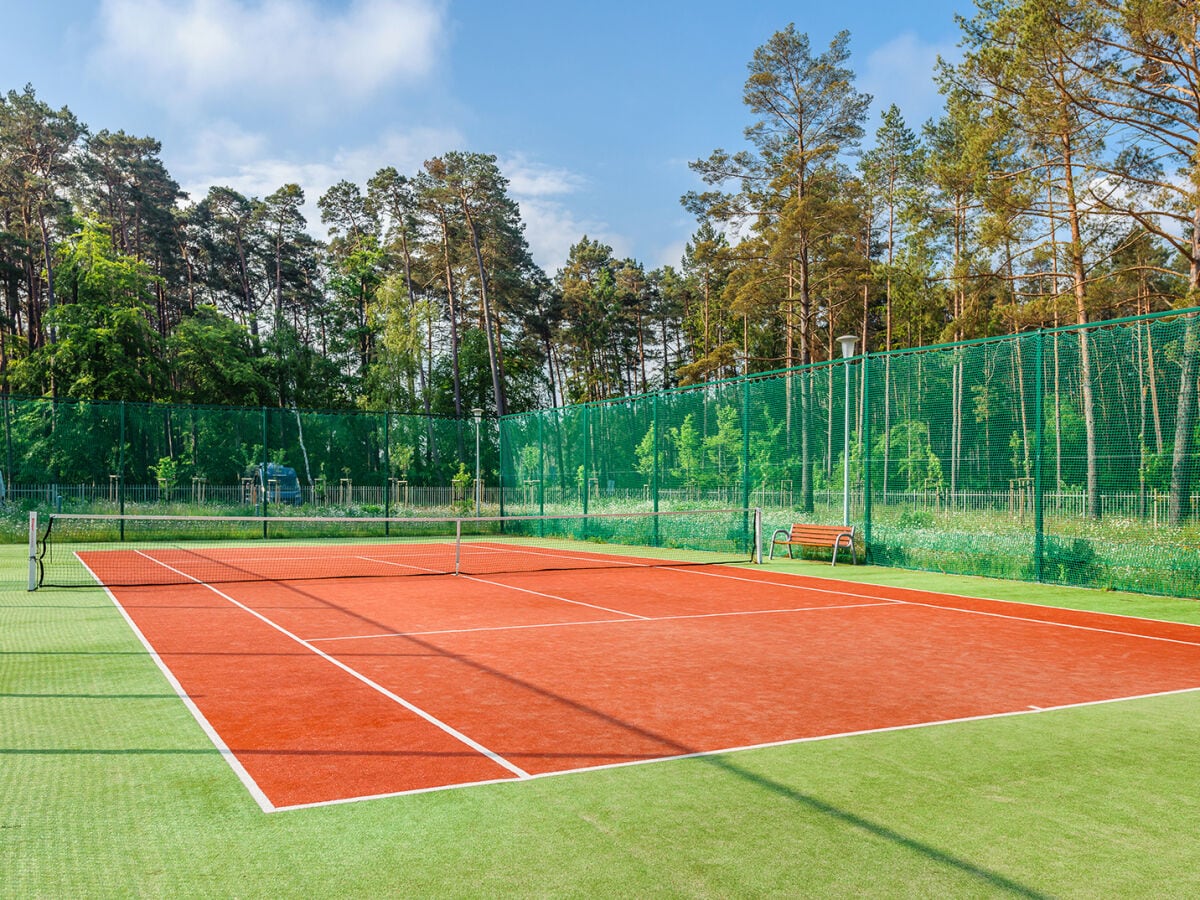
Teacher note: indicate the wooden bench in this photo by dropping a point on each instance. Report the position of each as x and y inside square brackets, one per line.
[801, 535]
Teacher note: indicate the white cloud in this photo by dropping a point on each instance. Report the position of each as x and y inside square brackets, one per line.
[531, 179]
[551, 225]
[551, 229]
[292, 52]
[901, 72]
[225, 155]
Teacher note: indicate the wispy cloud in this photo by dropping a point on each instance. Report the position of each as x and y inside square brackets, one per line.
[289, 52]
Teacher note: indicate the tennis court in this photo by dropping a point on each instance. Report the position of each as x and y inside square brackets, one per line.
[543, 657]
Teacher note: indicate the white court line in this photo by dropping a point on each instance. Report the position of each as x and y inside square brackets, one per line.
[411, 707]
[626, 621]
[933, 593]
[977, 612]
[512, 587]
[607, 560]
[764, 746]
[892, 600]
[401, 565]
[228, 755]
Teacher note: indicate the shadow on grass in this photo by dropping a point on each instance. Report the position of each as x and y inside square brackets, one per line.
[877, 830]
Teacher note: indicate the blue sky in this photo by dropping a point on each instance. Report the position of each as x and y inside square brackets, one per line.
[593, 110]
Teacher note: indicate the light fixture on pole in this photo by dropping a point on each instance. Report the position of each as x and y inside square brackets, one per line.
[478, 414]
[847, 341]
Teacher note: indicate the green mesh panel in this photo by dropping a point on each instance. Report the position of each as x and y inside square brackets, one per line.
[944, 452]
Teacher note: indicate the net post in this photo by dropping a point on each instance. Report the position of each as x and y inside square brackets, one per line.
[756, 537]
[457, 546]
[33, 529]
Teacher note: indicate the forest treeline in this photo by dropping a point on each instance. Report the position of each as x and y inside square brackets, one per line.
[1060, 185]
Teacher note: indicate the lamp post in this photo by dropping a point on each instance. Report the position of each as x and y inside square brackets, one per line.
[478, 414]
[847, 341]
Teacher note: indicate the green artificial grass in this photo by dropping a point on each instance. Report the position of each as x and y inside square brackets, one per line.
[108, 787]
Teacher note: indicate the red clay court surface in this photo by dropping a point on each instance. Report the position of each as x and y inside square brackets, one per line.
[331, 690]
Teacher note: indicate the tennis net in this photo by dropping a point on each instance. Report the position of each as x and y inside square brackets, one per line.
[69, 550]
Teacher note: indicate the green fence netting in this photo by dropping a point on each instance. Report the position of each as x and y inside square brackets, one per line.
[1067, 456]
[96, 457]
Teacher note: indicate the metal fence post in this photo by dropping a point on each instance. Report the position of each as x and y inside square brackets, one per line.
[865, 452]
[587, 449]
[1039, 441]
[387, 473]
[541, 480]
[499, 464]
[8, 470]
[745, 452]
[263, 473]
[121, 472]
[654, 466]
[745, 442]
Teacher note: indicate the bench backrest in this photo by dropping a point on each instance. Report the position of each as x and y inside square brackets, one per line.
[819, 534]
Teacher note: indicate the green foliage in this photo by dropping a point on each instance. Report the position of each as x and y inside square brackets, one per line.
[912, 457]
[911, 518]
[212, 361]
[402, 457]
[724, 448]
[835, 478]
[462, 482]
[1064, 428]
[647, 454]
[1070, 562]
[688, 455]
[1155, 469]
[106, 348]
[767, 457]
[166, 471]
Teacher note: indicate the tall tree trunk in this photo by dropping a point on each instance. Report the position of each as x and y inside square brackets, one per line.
[450, 298]
[1178, 509]
[411, 290]
[494, 362]
[47, 258]
[1085, 366]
